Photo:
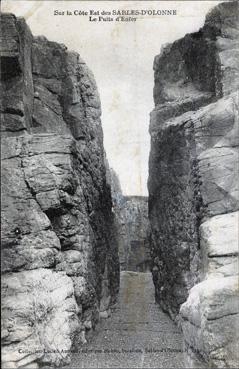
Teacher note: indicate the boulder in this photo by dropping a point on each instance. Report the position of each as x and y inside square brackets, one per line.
[39, 315]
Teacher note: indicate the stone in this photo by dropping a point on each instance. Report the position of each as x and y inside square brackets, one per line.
[219, 242]
[193, 186]
[210, 314]
[132, 227]
[210, 320]
[17, 97]
[104, 314]
[39, 314]
[58, 241]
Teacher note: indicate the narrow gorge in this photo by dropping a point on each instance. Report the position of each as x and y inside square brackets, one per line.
[92, 277]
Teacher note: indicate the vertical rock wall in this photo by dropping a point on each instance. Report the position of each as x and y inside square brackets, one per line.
[132, 219]
[193, 185]
[132, 227]
[60, 259]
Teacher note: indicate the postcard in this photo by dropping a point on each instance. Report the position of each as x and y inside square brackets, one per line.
[119, 186]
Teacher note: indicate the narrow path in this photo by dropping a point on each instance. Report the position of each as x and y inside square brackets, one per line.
[137, 335]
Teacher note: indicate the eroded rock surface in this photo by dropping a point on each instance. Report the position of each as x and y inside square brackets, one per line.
[132, 227]
[193, 185]
[132, 218]
[60, 257]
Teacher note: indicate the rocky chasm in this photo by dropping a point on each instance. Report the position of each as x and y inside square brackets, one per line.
[67, 229]
[193, 186]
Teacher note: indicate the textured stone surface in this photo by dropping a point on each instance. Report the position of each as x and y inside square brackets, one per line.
[16, 101]
[210, 314]
[193, 183]
[194, 175]
[56, 203]
[210, 319]
[39, 317]
[132, 217]
[201, 64]
[219, 243]
[132, 227]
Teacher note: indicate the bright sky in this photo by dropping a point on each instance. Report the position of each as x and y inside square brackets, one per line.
[121, 55]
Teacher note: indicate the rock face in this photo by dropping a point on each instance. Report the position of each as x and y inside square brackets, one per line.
[132, 220]
[193, 185]
[132, 227]
[60, 258]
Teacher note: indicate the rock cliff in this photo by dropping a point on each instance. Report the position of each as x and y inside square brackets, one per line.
[193, 185]
[60, 259]
[131, 227]
[134, 232]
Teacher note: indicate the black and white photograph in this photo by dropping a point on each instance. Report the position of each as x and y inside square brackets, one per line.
[119, 184]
